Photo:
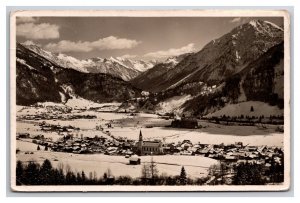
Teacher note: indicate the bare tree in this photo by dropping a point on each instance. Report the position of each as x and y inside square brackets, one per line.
[145, 171]
[68, 168]
[153, 169]
[60, 167]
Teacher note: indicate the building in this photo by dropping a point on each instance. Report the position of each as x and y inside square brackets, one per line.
[134, 160]
[148, 147]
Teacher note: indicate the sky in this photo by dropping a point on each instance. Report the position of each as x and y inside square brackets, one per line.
[129, 37]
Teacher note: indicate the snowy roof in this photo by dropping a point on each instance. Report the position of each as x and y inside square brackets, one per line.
[151, 143]
[134, 158]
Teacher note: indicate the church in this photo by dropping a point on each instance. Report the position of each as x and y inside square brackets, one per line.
[148, 147]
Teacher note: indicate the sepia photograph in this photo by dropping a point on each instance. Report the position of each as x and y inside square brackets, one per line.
[183, 100]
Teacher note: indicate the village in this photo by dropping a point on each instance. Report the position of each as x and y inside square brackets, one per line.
[231, 154]
[132, 138]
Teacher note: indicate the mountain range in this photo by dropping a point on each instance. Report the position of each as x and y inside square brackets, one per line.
[245, 64]
[119, 67]
[219, 59]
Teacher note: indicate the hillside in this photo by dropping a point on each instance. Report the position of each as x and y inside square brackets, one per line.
[150, 79]
[261, 80]
[40, 80]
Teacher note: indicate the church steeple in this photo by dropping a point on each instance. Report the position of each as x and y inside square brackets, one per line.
[140, 136]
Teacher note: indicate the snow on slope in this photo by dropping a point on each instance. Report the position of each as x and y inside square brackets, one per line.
[24, 63]
[172, 104]
[260, 108]
[76, 104]
[80, 103]
[115, 66]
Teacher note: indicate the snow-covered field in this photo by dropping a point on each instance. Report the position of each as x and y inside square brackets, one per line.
[243, 108]
[152, 127]
[195, 166]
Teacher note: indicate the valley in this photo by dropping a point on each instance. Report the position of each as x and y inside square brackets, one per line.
[222, 103]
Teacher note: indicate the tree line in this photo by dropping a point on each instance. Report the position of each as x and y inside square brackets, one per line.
[32, 173]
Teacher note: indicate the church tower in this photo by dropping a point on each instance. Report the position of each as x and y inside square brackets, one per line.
[140, 143]
[141, 136]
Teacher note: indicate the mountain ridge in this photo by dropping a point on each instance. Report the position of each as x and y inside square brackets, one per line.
[117, 66]
[41, 80]
[221, 57]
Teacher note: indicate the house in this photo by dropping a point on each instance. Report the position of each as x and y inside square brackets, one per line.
[134, 160]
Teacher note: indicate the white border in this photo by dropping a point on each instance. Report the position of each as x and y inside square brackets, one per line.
[154, 13]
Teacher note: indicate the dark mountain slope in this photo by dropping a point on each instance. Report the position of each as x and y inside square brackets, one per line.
[96, 86]
[150, 80]
[261, 80]
[35, 81]
[39, 80]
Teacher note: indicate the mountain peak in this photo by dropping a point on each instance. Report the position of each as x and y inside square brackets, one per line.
[29, 43]
[262, 26]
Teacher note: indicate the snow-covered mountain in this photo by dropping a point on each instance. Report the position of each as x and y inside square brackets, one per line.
[119, 67]
[126, 69]
[149, 78]
[40, 80]
[220, 58]
[243, 65]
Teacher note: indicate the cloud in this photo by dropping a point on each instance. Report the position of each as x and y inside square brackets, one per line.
[27, 19]
[128, 56]
[172, 52]
[68, 46]
[106, 43]
[112, 42]
[29, 42]
[236, 20]
[38, 31]
[240, 20]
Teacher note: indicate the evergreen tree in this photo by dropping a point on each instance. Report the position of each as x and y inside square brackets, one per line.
[31, 174]
[70, 178]
[248, 174]
[183, 176]
[46, 173]
[83, 177]
[79, 179]
[19, 173]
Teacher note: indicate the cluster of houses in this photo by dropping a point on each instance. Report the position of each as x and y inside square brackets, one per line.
[57, 128]
[232, 153]
[96, 144]
[55, 116]
[207, 89]
[246, 120]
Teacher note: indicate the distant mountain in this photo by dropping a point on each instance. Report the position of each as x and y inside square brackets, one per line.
[243, 65]
[39, 80]
[126, 69]
[219, 59]
[150, 79]
[119, 67]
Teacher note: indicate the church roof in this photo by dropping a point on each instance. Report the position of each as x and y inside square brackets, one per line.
[151, 144]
